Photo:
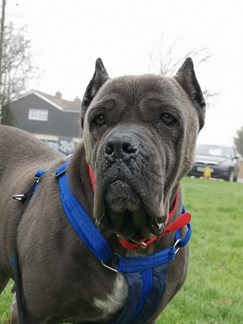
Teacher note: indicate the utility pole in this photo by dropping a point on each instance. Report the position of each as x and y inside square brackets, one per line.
[1, 52]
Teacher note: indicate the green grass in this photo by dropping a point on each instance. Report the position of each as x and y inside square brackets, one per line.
[5, 302]
[213, 292]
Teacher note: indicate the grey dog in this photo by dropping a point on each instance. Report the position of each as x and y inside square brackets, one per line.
[139, 137]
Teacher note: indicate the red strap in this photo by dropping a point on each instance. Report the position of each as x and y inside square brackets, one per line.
[91, 176]
[180, 222]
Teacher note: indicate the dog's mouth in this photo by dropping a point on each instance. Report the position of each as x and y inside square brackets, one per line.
[127, 214]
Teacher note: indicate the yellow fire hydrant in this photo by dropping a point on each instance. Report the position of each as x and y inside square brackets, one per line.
[207, 173]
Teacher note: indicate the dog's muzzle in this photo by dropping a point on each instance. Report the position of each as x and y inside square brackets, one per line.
[124, 191]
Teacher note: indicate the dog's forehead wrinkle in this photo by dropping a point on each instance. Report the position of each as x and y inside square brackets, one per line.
[102, 98]
[136, 85]
[141, 91]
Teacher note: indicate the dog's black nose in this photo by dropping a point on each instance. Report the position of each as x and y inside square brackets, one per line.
[121, 147]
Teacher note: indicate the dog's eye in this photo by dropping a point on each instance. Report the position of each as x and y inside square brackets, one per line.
[99, 120]
[167, 119]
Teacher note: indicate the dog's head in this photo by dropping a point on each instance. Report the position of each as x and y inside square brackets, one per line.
[139, 134]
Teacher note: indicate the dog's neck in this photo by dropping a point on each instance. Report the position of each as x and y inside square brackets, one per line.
[82, 185]
[80, 180]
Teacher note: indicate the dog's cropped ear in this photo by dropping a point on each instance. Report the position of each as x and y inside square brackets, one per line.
[187, 79]
[99, 78]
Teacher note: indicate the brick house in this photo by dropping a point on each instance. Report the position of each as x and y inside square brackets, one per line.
[52, 119]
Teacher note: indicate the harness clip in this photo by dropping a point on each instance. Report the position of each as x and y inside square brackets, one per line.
[19, 197]
[176, 246]
[29, 192]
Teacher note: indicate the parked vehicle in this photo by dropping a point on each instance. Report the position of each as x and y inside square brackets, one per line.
[223, 162]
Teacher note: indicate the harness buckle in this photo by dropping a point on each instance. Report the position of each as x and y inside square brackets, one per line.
[142, 244]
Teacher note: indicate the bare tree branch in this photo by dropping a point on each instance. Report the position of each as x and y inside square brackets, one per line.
[17, 68]
[165, 62]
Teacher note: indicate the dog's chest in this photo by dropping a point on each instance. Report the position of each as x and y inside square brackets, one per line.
[114, 301]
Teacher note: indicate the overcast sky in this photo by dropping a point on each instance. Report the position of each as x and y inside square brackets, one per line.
[68, 35]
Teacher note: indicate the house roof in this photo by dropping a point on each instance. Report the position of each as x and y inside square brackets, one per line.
[57, 101]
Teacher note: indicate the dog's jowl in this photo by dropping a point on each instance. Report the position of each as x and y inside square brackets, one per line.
[102, 237]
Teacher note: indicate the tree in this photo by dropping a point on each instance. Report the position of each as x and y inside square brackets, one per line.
[167, 62]
[16, 67]
[238, 140]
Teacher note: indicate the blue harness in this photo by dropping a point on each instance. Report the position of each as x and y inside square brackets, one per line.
[145, 276]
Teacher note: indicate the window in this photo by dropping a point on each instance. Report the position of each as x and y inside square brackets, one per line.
[38, 114]
[213, 150]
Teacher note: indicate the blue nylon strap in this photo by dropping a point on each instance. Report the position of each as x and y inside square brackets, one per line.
[183, 241]
[134, 281]
[146, 290]
[61, 169]
[134, 264]
[81, 222]
[140, 285]
[151, 304]
[40, 173]
[145, 276]
[147, 283]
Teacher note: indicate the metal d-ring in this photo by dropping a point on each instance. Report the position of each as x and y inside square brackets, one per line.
[108, 267]
[175, 245]
[115, 259]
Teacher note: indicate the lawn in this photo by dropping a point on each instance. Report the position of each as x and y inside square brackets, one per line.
[5, 302]
[213, 292]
